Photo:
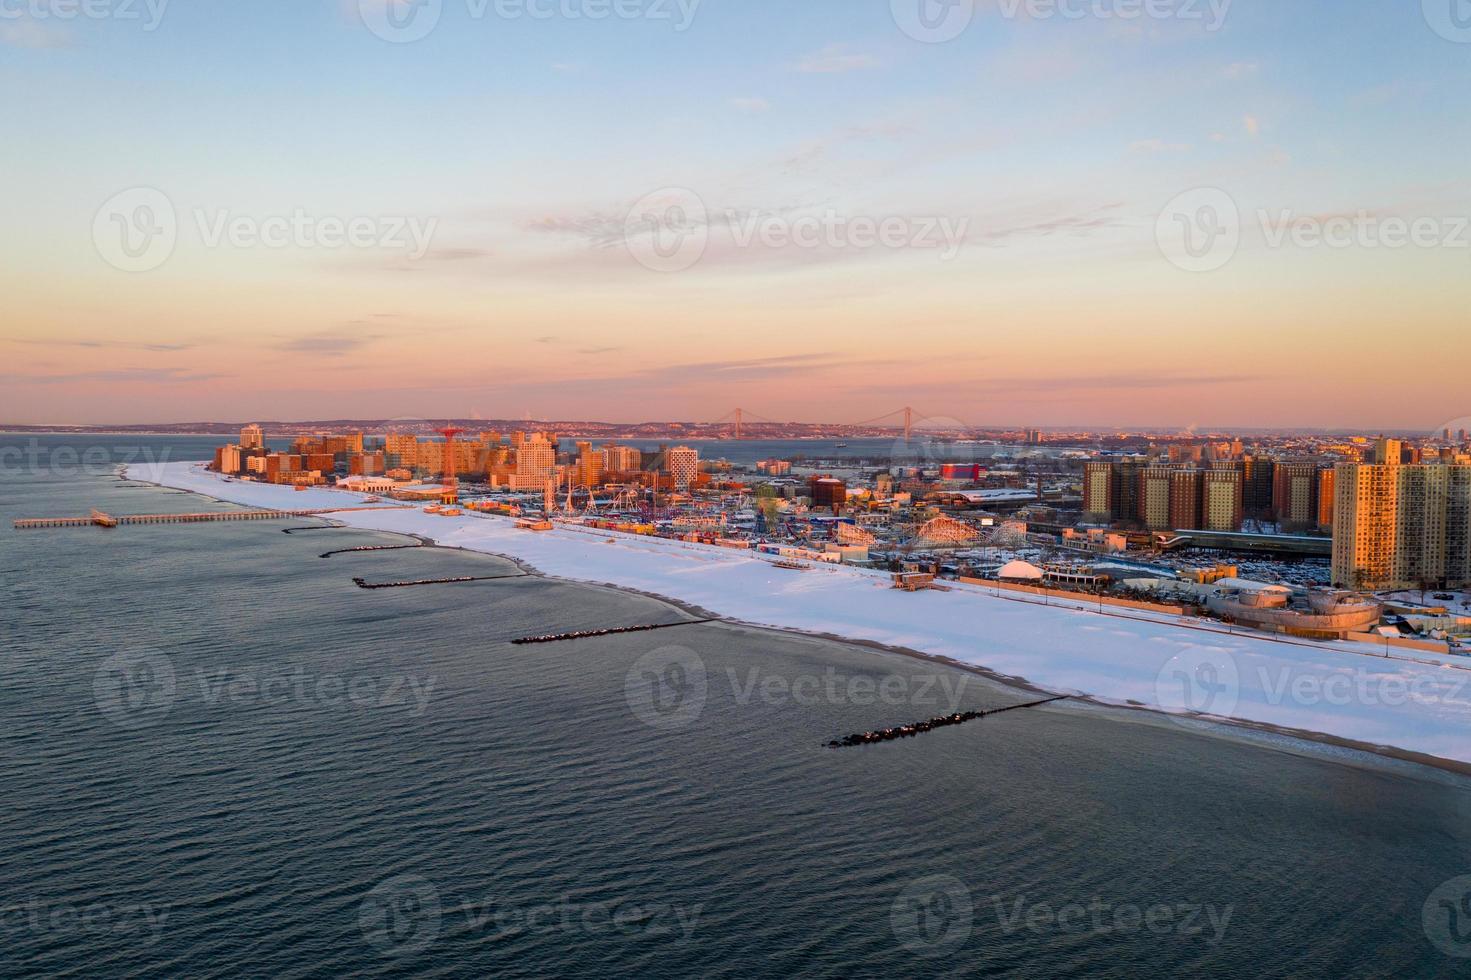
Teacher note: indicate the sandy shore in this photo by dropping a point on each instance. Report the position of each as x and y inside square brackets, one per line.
[483, 535]
[1008, 682]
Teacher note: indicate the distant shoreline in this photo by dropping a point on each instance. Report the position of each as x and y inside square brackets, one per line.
[570, 434]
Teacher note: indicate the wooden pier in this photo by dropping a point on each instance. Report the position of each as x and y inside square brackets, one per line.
[100, 519]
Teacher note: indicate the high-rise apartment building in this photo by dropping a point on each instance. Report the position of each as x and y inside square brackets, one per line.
[1399, 527]
[536, 458]
[1185, 498]
[1100, 491]
[1295, 496]
[1220, 499]
[1111, 490]
[684, 466]
[402, 450]
[1325, 499]
[1256, 490]
[621, 459]
[429, 457]
[251, 437]
[230, 459]
[1128, 486]
[1154, 497]
[589, 465]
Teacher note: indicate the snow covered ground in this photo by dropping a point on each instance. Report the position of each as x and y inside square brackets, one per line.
[1118, 657]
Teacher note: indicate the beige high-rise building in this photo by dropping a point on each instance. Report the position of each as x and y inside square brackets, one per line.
[1220, 500]
[1100, 491]
[402, 449]
[251, 437]
[622, 459]
[230, 459]
[1154, 497]
[430, 457]
[1401, 527]
[536, 459]
[1388, 452]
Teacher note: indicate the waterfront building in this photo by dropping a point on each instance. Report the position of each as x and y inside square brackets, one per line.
[229, 459]
[536, 459]
[1401, 526]
[251, 437]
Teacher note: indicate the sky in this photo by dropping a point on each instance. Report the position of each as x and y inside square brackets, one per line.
[1002, 212]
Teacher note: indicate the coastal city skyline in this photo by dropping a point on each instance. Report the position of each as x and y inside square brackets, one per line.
[1004, 246]
[1391, 513]
[735, 488]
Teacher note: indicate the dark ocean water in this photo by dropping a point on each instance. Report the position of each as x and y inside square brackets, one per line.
[220, 757]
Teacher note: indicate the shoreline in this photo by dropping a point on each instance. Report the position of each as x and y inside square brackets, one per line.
[1011, 681]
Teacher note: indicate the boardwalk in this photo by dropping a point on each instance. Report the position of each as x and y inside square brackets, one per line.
[99, 519]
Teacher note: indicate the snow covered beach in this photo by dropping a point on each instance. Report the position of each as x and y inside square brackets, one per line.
[1400, 706]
